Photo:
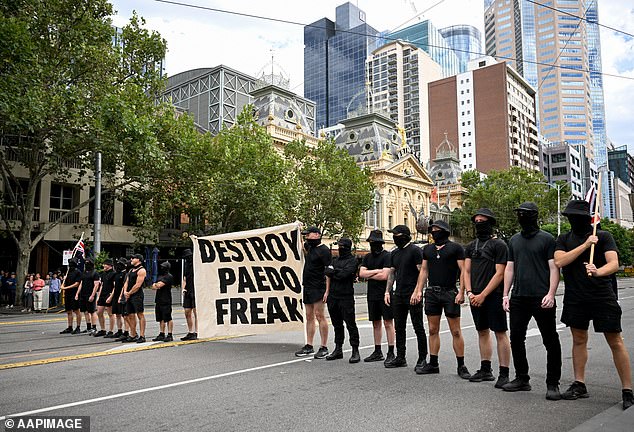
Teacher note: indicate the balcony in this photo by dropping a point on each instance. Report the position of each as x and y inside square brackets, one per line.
[55, 215]
[11, 213]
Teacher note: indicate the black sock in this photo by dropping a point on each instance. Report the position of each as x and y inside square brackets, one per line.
[504, 371]
[377, 348]
[88, 326]
[78, 328]
[169, 334]
[161, 334]
[433, 360]
[460, 361]
[485, 365]
[390, 349]
[126, 333]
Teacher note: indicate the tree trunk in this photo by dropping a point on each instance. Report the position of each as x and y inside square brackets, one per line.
[24, 254]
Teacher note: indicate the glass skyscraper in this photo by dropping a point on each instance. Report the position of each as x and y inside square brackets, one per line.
[334, 64]
[466, 42]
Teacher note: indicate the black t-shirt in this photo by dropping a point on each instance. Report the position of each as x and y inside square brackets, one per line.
[580, 287]
[342, 278]
[530, 256]
[164, 294]
[107, 283]
[72, 277]
[132, 280]
[88, 279]
[189, 277]
[376, 288]
[405, 261]
[442, 264]
[484, 256]
[316, 260]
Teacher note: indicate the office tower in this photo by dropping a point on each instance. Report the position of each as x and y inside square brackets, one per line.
[563, 163]
[466, 41]
[398, 74]
[334, 64]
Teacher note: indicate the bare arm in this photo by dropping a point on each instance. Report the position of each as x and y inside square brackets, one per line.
[367, 274]
[382, 274]
[611, 265]
[158, 285]
[140, 277]
[467, 276]
[562, 259]
[508, 281]
[388, 286]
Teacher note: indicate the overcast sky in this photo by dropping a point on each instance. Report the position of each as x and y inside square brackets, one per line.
[201, 38]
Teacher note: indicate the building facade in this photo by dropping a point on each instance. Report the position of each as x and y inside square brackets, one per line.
[561, 162]
[622, 164]
[466, 42]
[489, 112]
[398, 74]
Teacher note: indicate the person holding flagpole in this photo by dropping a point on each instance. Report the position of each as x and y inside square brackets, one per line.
[69, 288]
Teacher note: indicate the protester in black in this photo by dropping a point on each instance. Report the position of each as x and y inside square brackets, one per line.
[115, 298]
[71, 304]
[589, 296]
[375, 267]
[189, 297]
[405, 264]
[485, 261]
[133, 292]
[104, 299]
[532, 273]
[163, 300]
[443, 263]
[87, 296]
[339, 296]
[316, 258]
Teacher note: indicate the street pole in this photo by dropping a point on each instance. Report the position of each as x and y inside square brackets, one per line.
[558, 209]
[97, 245]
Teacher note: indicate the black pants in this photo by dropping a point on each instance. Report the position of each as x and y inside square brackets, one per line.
[522, 310]
[342, 310]
[401, 307]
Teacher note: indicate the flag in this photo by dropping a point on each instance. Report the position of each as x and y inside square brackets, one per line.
[412, 209]
[79, 253]
[591, 198]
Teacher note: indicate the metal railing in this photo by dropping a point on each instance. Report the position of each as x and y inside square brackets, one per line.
[55, 215]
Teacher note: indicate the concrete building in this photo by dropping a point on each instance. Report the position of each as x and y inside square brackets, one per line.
[398, 74]
[466, 42]
[621, 162]
[561, 162]
[489, 112]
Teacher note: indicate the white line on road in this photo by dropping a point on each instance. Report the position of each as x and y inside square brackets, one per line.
[176, 384]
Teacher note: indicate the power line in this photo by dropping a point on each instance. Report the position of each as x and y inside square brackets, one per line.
[378, 36]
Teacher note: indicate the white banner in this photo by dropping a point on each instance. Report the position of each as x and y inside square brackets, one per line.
[67, 255]
[249, 282]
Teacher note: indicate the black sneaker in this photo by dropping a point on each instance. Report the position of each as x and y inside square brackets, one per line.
[397, 362]
[67, 330]
[76, 331]
[306, 350]
[482, 375]
[168, 338]
[187, 337]
[194, 336]
[321, 353]
[122, 337]
[426, 369]
[502, 380]
[84, 331]
[109, 335]
[375, 356]
[552, 392]
[100, 333]
[130, 339]
[159, 338]
[140, 339]
[518, 384]
[628, 398]
[463, 372]
[577, 390]
[118, 334]
[390, 357]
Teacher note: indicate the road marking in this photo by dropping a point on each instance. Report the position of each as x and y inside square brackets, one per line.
[176, 384]
[535, 331]
[27, 322]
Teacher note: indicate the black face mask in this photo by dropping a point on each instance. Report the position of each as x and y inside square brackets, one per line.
[376, 248]
[311, 243]
[89, 267]
[580, 224]
[484, 230]
[344, 252]
[440, 237]
[528, 222]
[402, 240]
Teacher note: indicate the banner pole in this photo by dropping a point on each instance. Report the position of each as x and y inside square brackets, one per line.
[596, 220]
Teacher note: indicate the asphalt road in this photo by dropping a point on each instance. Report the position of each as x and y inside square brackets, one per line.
[255, 383]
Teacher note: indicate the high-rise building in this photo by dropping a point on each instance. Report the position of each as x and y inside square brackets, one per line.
[622, 164]
[427, 37]
[489, 112]
[334, 64]
[562, 162]
[466, 41]
[398, 74]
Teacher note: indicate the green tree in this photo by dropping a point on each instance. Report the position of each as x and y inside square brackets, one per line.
[67, 91]
[502, 191]
[624, 240]
[333, 191]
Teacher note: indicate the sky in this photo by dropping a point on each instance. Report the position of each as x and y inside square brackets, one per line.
[203, 38]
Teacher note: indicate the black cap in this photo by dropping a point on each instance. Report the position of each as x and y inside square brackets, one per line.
[137, 256]
[108, 261]
[484, 212]
[400, 230]
[312, 229]
[122, 261]
[187, 253]
[376, 236]
[166, 265]
[442, 225]
[344, 242]
[577, 207]
[527, 206]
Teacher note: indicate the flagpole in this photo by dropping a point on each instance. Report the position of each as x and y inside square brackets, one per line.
[596, 220]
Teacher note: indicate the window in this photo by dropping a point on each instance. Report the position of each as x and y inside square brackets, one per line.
[558, 157]
[560, 171]
[62, 196]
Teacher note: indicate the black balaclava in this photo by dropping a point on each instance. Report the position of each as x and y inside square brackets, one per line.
[311, 243]
[440, 237]
[119, 266]
[72, 264]
[580, 224]
[528, 222]
[89, 266]
[344, 251]
[484, 230]
[402, 240]
[376, 247]
[164, 268]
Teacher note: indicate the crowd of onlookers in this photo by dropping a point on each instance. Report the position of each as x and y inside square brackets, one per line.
[33, 292]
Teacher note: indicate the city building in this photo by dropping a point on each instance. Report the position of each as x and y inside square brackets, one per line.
[561, 162]
[621, 201]
[446, 173]
[426, 36]
[466, 42]
[398, 74]
[334, 64]
[489, 112]
[621, 162]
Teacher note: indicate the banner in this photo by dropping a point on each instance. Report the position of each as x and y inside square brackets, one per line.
[249, 282]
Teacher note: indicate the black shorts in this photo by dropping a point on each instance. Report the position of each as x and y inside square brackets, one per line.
[122, 309]
[70, 304]
[604, 314]
[163, 312]
[134, 304]
[490, 315]
[189, 300]
[313, 295]
[437, 300]
[86, 306]
[377, 310]
[102, 300]
[116, 306]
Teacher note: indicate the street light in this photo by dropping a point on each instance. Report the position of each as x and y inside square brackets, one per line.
[557, 187]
